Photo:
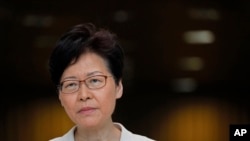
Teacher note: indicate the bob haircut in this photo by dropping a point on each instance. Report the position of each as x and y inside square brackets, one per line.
[81, 39]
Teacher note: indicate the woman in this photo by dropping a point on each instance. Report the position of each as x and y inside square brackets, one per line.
[86, 66]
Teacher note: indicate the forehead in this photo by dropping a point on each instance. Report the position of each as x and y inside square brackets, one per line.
[86, 64]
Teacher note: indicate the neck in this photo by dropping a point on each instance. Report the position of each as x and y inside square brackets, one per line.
[107, 132]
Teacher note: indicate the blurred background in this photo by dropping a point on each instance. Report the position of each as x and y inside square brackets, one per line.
[186, 75]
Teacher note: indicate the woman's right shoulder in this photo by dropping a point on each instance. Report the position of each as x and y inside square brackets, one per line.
[56, 139]
[69, 136]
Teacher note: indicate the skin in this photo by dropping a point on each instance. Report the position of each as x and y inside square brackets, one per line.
[96, 123]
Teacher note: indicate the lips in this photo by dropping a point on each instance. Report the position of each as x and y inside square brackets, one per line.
[87, 110]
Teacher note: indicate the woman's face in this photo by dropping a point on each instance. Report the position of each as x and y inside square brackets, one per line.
[90, 108]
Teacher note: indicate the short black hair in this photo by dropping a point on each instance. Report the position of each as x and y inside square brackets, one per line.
[85, 38]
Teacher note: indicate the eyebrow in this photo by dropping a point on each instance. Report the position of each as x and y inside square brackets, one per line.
[94, 72]
[88, 75]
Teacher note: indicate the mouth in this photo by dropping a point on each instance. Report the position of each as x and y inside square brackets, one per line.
[87, 110]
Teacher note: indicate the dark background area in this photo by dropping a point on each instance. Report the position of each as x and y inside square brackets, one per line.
[151, 34]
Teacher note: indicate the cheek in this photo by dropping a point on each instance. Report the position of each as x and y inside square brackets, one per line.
[66, 101]
[108, 94]
[108, 101]
[68, 104]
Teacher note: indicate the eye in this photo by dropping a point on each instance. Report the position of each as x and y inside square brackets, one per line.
[70, 85]
[95, 81]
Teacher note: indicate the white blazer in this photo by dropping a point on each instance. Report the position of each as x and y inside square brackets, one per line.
[125, 135]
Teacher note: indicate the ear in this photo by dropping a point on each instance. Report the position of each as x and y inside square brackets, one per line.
[119, 90]
[60, 98]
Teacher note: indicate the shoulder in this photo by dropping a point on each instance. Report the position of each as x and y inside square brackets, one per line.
[56, 139]
[127, 135]
[69, 136]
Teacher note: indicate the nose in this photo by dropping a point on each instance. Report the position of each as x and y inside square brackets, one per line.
[84, 93]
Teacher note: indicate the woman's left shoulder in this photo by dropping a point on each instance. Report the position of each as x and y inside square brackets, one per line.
[127, 135]
[137, 137]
